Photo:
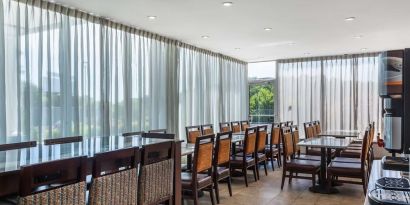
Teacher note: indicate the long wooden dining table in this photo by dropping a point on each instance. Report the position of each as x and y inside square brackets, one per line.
[11, 161]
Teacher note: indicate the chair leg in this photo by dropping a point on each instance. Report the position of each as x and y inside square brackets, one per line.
[330, 181]
[313, 179]
[279, 160]
[230, 186]
[290, 177]
[216, 191]
[265, 166]
[283, 178]
[271, 162]
[211, 193]
[257, 170]
[254, 173]
[245, 175]
[195, 196]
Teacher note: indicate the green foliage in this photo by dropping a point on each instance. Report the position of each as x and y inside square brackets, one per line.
[261, 98]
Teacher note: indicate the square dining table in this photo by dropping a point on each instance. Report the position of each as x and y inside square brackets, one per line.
[340, 133]
[326, 144]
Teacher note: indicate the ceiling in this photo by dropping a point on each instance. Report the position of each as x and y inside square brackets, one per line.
[300, 28]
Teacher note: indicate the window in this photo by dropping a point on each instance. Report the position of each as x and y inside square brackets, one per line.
[262, 92]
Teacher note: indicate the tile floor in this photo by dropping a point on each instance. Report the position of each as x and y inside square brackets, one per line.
[267, 192]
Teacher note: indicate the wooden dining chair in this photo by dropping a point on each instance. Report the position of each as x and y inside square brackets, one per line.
[18, 145]
[131, 134]
[296, 166]
[309, 133]
[156, 178]
[161, 131]
[207, 129]
[351, 170]
[112, 171]
[246, 160]
[236, 126]
[192, 132]
[318, 127]
[201, 177]
[296, 139]
[155, 135]
[273, 150]
[260, 154]
[63, 140]
[224, 127]
[221, 161]
[244, 125]
[54, 182]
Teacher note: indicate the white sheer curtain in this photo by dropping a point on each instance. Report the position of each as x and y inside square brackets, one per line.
[235, 92]
[341, 91]
[199, 86]
[68, 73]
[212, 89]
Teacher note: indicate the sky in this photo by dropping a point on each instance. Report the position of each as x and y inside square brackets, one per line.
[262, 70]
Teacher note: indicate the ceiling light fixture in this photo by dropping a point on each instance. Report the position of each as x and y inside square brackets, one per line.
[227, 3]
[358, 36]
[352, 18]
[267, 29]
[306, 54]
[204, 37]
[237, 48]
[291, 43]
[363, 49]
[151, 17]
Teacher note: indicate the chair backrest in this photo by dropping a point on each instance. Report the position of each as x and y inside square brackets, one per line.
[18, 145]
[317, 127]
[155, 135]
[207, 129]
[203, 154]
[308, 130]
[314, 132]
[155, 181]
[282, 124]
[262, 136]
[275, 134]
[63, 140]
[224, 127]
[244, 125]
[192, 132]
[115, 161]
[288, 149]
[289, 123]
[250, 141]
[130, 134]
[59, 177]
[222, 148]
[161, 131]
[365, 149]
[119, 166]
[236, 126]
[296, 138]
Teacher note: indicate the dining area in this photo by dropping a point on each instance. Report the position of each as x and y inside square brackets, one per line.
[157, 167]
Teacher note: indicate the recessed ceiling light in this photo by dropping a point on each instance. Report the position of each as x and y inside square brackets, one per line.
[267, 29]
[204, 37]
[151, 17]
[363, 49]
[306, 54]
[227, 3]
[357, 36]
[352, 18]
[291, 43]
[237, 48]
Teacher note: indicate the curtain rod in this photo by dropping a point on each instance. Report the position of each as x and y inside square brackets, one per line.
[75, 12]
